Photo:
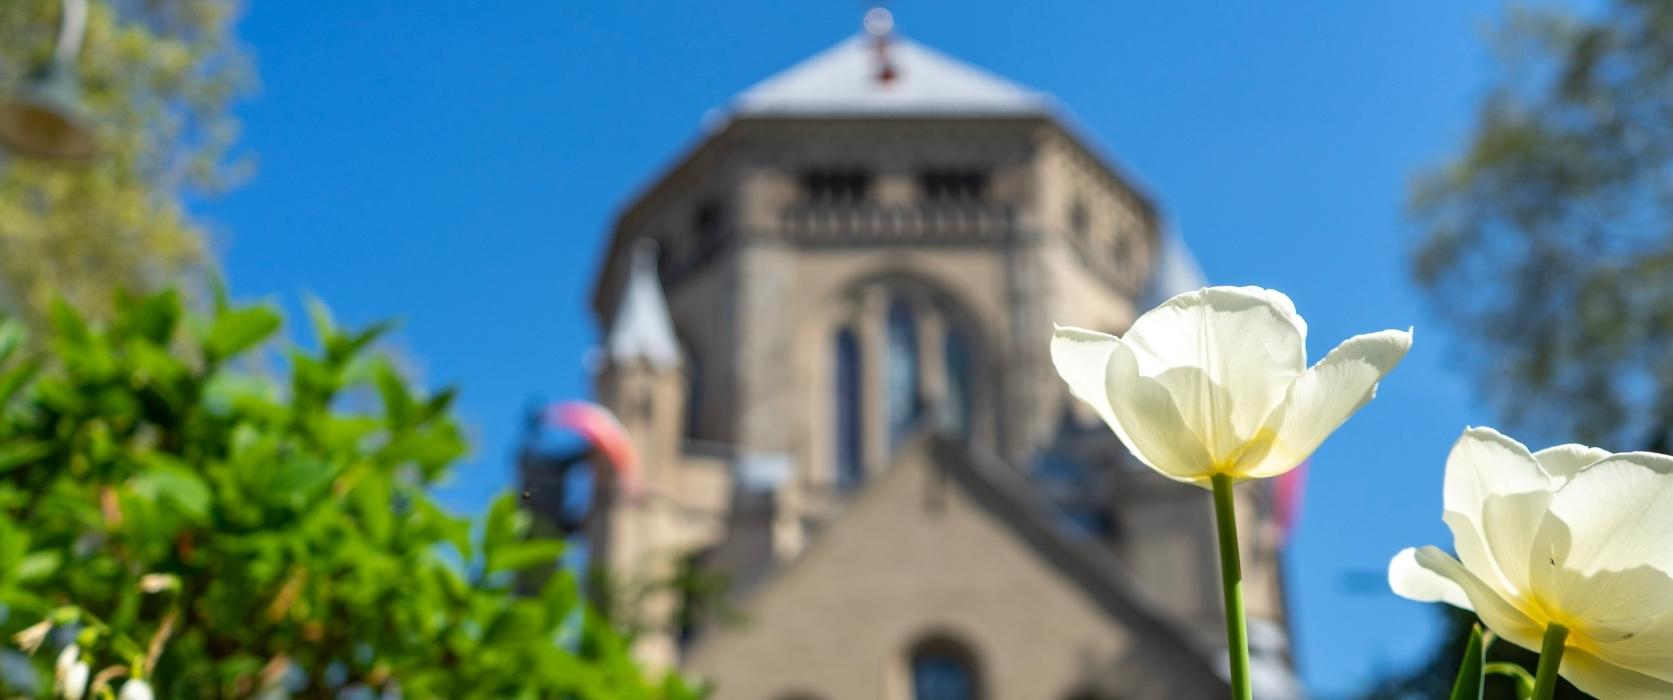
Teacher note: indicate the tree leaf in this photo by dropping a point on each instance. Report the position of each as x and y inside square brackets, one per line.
[398, 404]
[36, 566]
[175, 484]
[152, 317]
[237, 330]
[19, 453]
[518, 556]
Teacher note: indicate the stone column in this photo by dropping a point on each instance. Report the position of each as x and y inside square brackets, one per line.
[932, 367]
[873, 335]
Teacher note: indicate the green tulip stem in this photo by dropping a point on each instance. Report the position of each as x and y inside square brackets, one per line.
[1550, 659]
[1231, 582]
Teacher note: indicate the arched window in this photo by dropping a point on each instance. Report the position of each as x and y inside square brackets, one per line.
[956, 355]
[847, 429]
[903, 404]
[942, 671]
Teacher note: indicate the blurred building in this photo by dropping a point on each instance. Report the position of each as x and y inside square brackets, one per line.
[826, 328]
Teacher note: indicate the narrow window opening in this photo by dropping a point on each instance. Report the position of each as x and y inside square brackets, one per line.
[953, 185]
[849, 472]
[836, 185]
[903, 405]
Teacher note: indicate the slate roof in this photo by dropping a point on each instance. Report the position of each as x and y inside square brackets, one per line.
[847, 80]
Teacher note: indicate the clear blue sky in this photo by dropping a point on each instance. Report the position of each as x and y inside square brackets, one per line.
[455, 165]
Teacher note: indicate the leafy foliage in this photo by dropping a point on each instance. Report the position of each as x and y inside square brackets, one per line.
[185, 519]
[1548, 242]
[159, 80]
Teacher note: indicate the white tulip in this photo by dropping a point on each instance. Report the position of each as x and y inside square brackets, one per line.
[135, 689]
[1570, 536]
[1216, 382]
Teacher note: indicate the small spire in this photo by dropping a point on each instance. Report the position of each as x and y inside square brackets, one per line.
[642, 329]
[880, 24]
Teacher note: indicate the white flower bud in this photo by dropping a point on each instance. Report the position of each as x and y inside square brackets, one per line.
[156, 583]
[67, 658]
[71, 673]
[135, 689]
[75, 682]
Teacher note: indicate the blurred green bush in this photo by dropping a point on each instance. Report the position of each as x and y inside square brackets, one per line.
[185, 518]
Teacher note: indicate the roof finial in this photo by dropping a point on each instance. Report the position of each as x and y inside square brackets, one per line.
[880, 24]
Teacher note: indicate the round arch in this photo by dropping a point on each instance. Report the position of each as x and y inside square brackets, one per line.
[944, 665]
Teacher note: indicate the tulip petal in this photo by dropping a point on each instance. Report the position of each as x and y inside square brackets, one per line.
[1602, 679]
[1601, 557]
[1323, 398]
[1483, 464]
[1510, 524]
[1562, 462]
[1619, 514]
[1082, 358]
[1469, 539]
[1152, 427]
[1499, 614]
[1411, 581]
[1650, 651]
[1613, 609]
[1226, 354]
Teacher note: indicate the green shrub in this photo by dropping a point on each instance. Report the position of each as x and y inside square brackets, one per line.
[185, 518]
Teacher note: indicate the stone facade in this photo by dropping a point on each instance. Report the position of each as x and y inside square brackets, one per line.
[806, 255]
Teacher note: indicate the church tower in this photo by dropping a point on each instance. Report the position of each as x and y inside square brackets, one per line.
[855, 272]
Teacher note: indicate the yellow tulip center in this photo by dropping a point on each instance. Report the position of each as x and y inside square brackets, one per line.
[1246, 454]
[1546, 614]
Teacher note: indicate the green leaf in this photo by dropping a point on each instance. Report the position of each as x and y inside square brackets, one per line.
[1469, 682]
[68, 325]
[17, 454]
[440, 402]
[13, 379]
[373, 499]
[36, 566]
[518, 556]
[238, 330]
[350, 345]
[505, 525]
[398, 404]
[11, 337]
[151, 317]
[172, 482]
[1524, 680]
[229, 391]
[325, 327]
[295, 482]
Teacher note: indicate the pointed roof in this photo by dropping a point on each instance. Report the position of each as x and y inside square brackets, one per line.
[852, 79]
[642, 329]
